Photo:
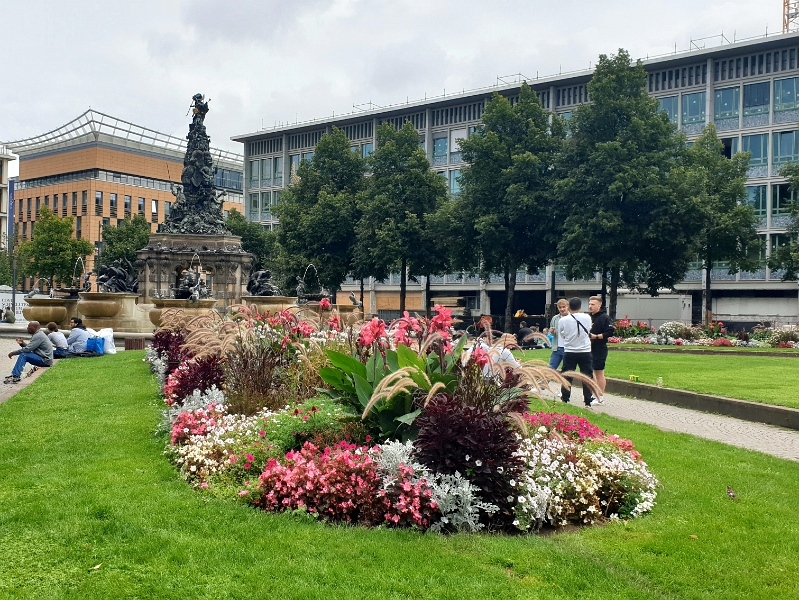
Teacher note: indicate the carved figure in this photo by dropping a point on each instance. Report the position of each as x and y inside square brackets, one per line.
[191, 286]
[120, 277]
[259, 284]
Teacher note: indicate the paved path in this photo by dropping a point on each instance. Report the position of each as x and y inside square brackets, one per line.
[6, 364]
[783, 443]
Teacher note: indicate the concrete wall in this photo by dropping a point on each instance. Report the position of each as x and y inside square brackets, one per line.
[779, 310]
[657, 310]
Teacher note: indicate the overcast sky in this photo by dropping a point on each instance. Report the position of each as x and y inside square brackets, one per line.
[268, 61]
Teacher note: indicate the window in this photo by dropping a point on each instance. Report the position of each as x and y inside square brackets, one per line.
[366, 150]
[758, 146]
[455, 182]
[756, 198]
[294, 160]
[670, 106]
[84, 198]
[98, 203]
[266, 205]
[78, 226]
[38, 204]
[693, 108]
[24, 230]
[277, 178]
[786, 147]
[64, 202]
[778, 240]
[785, 94]
[727, 101]
[47, 201]
[756, 99]
[167, 209]
[307, 156]
[127, 203]
[75, 199]
[254, 207]
[141, 206]
[440, 150]
[781, 199]
[454, 136]
[106, 222]
[255, 172]
[275, 198]
[154, 209]
[730, 146]
[266, 172]
[29, 204]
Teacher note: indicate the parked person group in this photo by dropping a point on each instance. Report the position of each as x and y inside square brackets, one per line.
[581, 341]
[78, 337]
[60, 345]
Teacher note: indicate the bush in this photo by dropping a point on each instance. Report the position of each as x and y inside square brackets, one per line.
[577, 428]
[675, 329]
[319, 420]
[193, 374]
[256, 373]
[476, 443]
[721, 342]
[168, 344]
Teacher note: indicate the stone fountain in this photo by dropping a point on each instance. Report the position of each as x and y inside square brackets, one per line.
[195, 228]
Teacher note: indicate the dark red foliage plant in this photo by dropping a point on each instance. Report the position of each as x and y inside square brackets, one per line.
[477, 443]
[168, 344]
[195, 374]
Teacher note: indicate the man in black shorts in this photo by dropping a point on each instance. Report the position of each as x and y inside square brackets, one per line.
[601, 330]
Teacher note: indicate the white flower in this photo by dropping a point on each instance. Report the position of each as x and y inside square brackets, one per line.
[467, 457]
[500, 470]
[478, 463]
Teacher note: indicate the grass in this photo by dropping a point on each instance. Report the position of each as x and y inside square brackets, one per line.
[83, 482]
[705, 349]
[767, 379]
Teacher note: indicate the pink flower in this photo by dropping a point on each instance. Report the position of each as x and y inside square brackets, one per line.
[249, 457]
[204, 484]
[480, 356]
[246, 465]
[324, 304]
[244, 492]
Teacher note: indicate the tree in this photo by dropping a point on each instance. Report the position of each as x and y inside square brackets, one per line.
[728, 225]
[786, 256]
[623, 213]
[401, 192]
[5, 267]
[318, 212]
[120, 242]
[255, 239]
[505, 216]
[52, 252]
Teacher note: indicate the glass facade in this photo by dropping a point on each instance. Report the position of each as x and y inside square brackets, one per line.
[255, 172]
[785, 94]
[756, 99]
[671, 106]
[758, 146]
[756, 197]
[455, 182]
[266, 172]
[254, 207]
[781, 199]
[366, 150]
[727, 102]
[440, 150]
[693, 108]
[786, 147]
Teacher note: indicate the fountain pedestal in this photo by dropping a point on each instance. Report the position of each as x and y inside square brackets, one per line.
[168, 255]
[115, 310]
[199, 307]
[272, 304]
[45, 309]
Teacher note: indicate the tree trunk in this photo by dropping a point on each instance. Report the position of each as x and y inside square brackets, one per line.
[361, 298]
[614, 292]
[427, 297]
[403, 284]
[510, 290]
[708, 295]
[604, 286]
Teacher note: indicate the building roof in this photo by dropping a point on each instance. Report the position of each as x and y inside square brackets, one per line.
[96, 127]
[697, 50]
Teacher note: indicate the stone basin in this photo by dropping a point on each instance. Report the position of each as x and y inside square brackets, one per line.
[200, 307]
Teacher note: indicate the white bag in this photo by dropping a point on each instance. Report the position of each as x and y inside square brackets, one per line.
[108, 336]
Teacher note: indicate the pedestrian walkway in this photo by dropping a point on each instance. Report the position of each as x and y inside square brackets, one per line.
[776, 441]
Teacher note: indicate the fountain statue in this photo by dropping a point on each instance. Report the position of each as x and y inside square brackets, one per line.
[310, 291]
[194, 228]
[119, 277]
[260, 285]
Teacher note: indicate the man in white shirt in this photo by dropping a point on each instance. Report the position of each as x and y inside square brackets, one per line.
[574, 336]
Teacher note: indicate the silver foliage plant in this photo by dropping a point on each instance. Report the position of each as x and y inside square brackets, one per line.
[195, 401]
[158, 366]
[455, 496]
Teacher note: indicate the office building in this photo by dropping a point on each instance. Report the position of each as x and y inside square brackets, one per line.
[749, 89]
[98, 170]
[6, 192]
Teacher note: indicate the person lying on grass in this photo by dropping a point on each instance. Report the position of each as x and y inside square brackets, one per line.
[38, 351]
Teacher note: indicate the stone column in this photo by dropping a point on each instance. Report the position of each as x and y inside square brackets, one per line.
[709, 97]
[372, 297]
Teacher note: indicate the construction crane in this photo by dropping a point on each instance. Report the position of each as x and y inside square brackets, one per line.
[790, 16]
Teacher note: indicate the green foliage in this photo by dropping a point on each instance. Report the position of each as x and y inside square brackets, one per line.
[787, 256]
[318, 212]
[622, 211]
[5, 268]
[91, 448]
[401, 195]
[290, 428]
[52, 252]
[505, 216]
[122, 241]
[255, 239]
[728, 226]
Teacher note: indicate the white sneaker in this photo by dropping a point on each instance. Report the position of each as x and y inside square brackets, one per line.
[601, 399]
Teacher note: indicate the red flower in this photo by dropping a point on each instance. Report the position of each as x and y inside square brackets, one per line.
[324, 304]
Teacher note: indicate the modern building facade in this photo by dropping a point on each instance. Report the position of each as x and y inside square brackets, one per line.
[6, 191]
[99, 169]
[749, 89]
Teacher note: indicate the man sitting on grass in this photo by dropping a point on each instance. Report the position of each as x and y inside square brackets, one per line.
[38, 351]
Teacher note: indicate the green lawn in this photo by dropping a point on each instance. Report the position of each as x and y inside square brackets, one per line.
[83, 482]
[706, 349]
[768, 379]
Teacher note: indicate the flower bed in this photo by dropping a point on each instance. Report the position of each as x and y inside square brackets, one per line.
[411, 428]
